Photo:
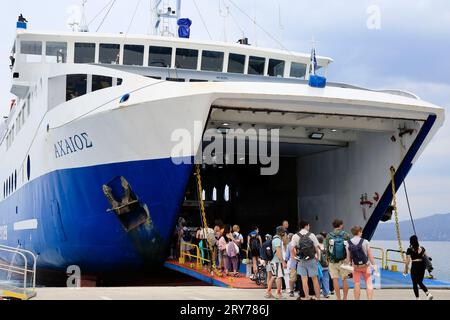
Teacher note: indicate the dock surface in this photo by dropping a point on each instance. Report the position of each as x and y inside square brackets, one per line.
[200, 294]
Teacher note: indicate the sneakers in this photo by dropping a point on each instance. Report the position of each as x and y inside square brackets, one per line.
[430, 296]
[292, 294]
[269, 296]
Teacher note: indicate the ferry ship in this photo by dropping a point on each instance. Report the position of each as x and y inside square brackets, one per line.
[87, 162]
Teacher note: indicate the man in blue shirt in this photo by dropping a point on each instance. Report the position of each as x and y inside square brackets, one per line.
[275, 269]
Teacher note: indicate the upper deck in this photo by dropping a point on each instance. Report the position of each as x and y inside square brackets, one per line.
[160, 52]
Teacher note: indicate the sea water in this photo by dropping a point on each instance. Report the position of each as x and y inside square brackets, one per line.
[438, 251]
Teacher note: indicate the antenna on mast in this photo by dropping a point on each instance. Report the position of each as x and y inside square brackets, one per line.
[162, 12]
[83, 27]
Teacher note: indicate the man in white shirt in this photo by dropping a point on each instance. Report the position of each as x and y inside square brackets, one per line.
[307, 252]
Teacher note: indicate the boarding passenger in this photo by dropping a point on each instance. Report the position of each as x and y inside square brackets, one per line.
[416, 255]
[286, 226]
[306, 250]
[223, 246]
[361, 258]
[292, 267]
[254, 244]
[277, 265]
[239, 241]
[324, 281]
[335, 245]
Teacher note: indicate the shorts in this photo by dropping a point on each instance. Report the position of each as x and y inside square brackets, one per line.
[308, 268]
[336, 272]
[293, 275]
[276, 269]
[365, 271]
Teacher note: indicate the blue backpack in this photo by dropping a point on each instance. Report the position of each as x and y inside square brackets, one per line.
[337, 249]
[357, 253]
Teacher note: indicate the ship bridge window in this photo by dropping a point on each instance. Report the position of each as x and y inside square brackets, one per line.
[76, 86]
[276, 68]
[109, 53]
[84, 52]
[256, 65]
[186, 59]
[32, 50]
[160, 57]
[133, 55]
[212, 61]
[236, 63]
[101, 82]
[56, 52]
[298, 70]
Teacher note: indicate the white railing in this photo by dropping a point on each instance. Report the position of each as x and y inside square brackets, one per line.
[22, 272]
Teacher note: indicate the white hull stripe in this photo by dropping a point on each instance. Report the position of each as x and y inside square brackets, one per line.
[26, 225]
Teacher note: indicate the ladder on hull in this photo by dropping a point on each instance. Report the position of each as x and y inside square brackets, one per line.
[17, 273]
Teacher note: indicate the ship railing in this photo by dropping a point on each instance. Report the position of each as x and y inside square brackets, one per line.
[394, 261]
[186, 249]
[379, 257]
[18, 275]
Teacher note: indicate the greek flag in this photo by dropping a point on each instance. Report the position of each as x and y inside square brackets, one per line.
[313, 62]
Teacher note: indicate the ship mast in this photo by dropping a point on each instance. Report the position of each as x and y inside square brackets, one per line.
[83, 23]
[161, 14]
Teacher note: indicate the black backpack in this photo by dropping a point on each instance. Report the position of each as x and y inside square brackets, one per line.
[266, 251]
[305, 249]
[254, 245]
[357, 253]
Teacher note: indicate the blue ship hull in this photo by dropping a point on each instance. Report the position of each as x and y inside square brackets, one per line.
[74, 227]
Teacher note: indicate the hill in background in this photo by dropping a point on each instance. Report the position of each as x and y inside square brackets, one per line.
[433, 228]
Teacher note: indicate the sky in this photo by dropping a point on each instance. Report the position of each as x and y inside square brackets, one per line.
[379, 44]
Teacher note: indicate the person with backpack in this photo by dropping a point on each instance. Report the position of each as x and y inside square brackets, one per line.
[254, 244]
[225, 250]
[361, 258]
[292, 266]
[305, 248]
[416, 256]
[276, 265]
[334, 244]
[324, 281]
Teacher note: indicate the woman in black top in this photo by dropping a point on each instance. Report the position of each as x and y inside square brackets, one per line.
[415, 254]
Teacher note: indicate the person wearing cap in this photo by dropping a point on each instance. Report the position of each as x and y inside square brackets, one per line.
[275, 270]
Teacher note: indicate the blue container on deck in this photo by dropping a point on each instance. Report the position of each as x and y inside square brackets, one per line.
[21, 25]
[184, 26]
[317, 81]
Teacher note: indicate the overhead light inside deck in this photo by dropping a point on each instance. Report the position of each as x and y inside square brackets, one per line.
[316, 136]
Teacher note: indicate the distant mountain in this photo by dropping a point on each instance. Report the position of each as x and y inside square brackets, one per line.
[433, 228]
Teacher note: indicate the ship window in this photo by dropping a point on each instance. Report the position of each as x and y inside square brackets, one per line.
[197, 80]
[133, 55]
[28, 105]
[212, 61]
[236, 63]
[84, 52]
[160, 57]
[76, 86]
[119, 81]
[276, 68]
[186, 59]
[175, 79]
[32, 50]
[56, 52]
[101, 82]
[109, 53]
[256, 65]
[298, 70]
[15, 179]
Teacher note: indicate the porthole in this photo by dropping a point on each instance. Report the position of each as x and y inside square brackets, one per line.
[28, 168]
